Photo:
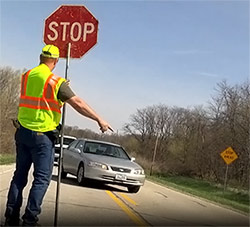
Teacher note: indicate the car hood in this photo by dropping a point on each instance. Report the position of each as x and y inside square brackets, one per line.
[111, 161]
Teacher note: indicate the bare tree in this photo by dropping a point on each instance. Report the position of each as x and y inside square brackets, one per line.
[10, 88]
[191, 140]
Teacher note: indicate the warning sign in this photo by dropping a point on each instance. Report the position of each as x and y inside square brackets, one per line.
[229, 155]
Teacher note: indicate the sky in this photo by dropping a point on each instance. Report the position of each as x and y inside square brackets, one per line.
[148, 52]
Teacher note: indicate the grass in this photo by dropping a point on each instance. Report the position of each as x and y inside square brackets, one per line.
[232, 198]
[7, 159]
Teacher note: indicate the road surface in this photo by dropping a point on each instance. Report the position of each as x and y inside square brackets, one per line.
[107, 205]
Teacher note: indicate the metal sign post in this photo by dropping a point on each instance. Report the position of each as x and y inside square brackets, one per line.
[225, 181]
[61, 144]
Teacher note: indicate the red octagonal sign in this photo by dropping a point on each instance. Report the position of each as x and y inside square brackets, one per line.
[71, 24]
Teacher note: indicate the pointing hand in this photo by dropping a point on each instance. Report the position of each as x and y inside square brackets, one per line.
[104, 126]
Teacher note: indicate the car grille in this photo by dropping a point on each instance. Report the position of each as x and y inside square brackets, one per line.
[120, 169]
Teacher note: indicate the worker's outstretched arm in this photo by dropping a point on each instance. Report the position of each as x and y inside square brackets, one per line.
[83, 108]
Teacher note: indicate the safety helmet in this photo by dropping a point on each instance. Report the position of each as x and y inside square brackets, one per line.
[50, 51]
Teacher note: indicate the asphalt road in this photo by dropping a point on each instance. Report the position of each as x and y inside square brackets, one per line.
[107, 205]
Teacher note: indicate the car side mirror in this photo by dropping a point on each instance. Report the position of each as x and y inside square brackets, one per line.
[77, 150]
[132, 159]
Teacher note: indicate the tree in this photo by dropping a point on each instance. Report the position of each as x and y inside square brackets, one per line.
[191, 140]
[9, 96]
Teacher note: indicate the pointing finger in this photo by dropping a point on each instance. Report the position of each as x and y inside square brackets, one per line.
[110, 129]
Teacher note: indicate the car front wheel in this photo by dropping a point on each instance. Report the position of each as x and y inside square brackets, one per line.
[80, 175]
[133, 189]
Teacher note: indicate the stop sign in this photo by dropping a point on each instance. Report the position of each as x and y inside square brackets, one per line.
[71, 24]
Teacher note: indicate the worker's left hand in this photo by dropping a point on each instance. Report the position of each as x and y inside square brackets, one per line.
[67, 82]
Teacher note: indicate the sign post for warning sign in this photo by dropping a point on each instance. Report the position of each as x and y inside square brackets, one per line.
[228, 156]
[73, 29]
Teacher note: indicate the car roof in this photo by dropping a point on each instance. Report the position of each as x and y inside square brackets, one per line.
[99, 141]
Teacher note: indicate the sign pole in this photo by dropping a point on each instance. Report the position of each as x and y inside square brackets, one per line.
[61, 145]
[225, 182]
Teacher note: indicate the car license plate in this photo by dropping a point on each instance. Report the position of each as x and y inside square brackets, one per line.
[120, 177]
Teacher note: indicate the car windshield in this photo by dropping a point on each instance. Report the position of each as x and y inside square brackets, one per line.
[105, 149]
[67, 141]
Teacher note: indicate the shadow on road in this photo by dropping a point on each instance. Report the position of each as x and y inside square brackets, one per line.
[89, 184]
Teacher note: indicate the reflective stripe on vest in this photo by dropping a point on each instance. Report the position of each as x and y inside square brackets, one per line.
[47, 101]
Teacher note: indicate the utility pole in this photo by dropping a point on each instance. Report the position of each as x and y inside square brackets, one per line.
[154, 155]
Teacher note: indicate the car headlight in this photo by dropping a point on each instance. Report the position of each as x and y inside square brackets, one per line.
[138, 171]
[97, 165]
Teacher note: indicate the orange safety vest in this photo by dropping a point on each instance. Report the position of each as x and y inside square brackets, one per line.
[39, 110]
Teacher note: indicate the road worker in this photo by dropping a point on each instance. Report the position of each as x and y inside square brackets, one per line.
[42, 96]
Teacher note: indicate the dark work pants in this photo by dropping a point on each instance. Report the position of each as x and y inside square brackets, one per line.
[36, 148]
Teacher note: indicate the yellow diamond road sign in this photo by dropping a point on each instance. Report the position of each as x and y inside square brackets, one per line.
[229, 155]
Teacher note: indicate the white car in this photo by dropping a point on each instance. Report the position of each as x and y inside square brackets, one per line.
[102, 161]
[66, 141]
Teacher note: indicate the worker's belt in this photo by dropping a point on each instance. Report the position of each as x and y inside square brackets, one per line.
[53, 135]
